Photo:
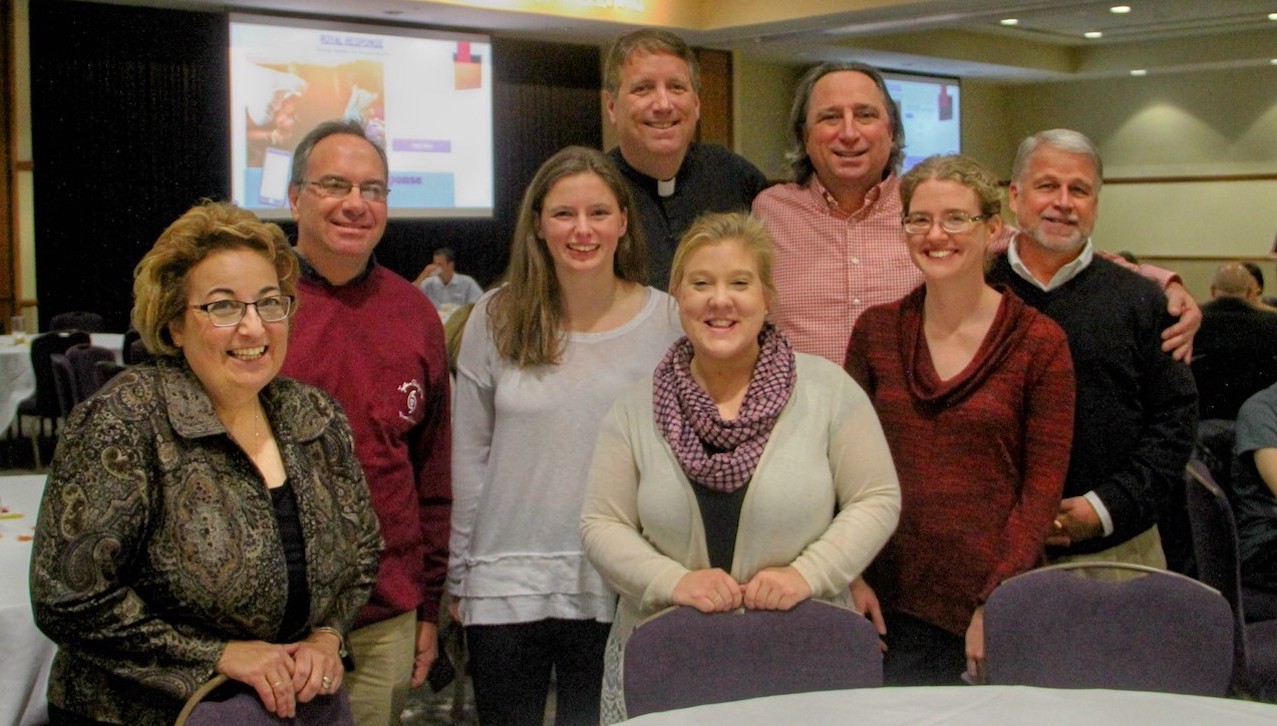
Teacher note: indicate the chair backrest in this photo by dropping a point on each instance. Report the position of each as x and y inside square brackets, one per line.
[1214, 449]
[78, 320]
[1159, 632]
[682, 657]
[221, 702]
[108, 369]
[42, 348]
[1215, 547]
[64, 383]
[84, 359]
[133, 350]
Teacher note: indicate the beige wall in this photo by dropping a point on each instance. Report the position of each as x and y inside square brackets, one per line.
[764, 92]
[1194, 124]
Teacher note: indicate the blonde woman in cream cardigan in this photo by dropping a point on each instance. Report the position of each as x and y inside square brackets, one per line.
[799, 492]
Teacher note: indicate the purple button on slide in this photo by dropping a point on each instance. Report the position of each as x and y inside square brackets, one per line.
[441, 146]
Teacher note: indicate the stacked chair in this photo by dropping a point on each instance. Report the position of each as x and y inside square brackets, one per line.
[1219, 565]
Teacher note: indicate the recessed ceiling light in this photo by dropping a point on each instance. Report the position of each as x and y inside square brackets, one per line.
[1139, 72]
[1093, 34]
[1120, 9]
[1272, 16]
[1010, 21]
[1273, 61]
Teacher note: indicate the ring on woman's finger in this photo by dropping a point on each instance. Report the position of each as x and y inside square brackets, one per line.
[325, 682]
[276, 684]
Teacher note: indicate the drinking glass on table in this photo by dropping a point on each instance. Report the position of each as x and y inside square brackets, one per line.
[18, 328]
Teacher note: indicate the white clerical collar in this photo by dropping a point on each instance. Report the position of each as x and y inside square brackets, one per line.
[1062, 276]
[665, 187]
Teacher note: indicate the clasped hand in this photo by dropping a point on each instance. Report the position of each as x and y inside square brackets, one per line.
[286, 674]
[714, 591]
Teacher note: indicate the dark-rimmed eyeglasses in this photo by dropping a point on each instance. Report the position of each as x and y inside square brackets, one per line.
[953, 222]
[228, 313]
[334, 187]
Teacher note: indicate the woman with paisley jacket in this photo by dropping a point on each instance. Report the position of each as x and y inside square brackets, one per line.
[203, 516]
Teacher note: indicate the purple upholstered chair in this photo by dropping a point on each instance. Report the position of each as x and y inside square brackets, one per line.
[84, 360]
[78, 320]
[1159, 632]
[682, 657]
[1218, 565]
[221, 702]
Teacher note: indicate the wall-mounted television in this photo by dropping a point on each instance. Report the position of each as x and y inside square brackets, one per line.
[930, 109]
[425, 95]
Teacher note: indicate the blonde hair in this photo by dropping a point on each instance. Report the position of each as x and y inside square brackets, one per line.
[453, 330]
[718, 227]
[955, 168]
[525, 315]
[159, 280]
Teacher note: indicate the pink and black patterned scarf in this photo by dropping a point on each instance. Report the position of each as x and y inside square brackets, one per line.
[714, 453]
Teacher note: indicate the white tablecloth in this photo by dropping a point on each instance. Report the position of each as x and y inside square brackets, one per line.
[17, 378]
[25, 654]
[971, 706]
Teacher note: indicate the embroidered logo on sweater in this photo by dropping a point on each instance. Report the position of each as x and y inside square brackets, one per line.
[415, 396]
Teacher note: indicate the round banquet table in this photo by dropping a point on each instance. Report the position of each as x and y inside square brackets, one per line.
[971, 706]
[17, 377]
[25, 653]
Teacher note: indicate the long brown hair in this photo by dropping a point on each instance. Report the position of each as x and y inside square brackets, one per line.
[526, 314]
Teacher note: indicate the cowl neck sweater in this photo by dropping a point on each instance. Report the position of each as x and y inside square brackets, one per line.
[1005, 333]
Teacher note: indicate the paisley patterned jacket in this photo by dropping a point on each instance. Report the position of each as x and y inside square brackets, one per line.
[157, 541]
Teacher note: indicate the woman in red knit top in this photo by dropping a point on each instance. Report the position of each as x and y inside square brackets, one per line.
[975, 393]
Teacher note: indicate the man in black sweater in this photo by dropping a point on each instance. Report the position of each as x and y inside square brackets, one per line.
[1236, 347]
[1136, 410]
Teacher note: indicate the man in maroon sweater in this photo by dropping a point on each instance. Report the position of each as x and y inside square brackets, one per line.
[373, 341]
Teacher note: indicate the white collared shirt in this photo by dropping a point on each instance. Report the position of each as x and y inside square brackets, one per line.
[1063, 275]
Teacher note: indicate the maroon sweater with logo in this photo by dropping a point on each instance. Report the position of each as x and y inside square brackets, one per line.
[376, 345]
[981, 457]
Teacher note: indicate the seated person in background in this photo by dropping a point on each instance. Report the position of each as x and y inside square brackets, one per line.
[1236, 348]
[966, 369]
[447, 288]
[1254, 500]
[1262, 301]
[203, 516]
[741, 473]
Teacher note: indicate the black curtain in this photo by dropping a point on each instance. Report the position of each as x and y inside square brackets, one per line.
[130, 127]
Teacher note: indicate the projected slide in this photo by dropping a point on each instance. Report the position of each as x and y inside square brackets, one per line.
[426, 96]
[930, 111]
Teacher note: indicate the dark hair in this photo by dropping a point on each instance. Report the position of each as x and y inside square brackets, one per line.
[1256, 273]
[647, 40]
[301, 156]
[526, 313]
[799, 163]
[447, 253]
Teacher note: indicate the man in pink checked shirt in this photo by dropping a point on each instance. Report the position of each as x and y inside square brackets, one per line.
[836, 227]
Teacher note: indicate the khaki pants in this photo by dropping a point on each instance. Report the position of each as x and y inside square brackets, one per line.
[1144, 548]
[383, 654]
